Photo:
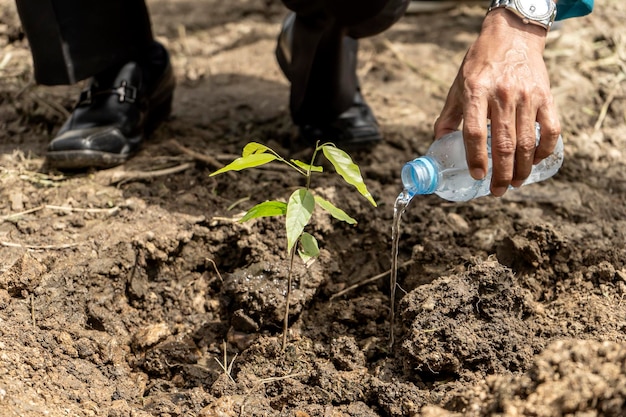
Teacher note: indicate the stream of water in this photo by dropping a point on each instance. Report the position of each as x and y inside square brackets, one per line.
[399, 207]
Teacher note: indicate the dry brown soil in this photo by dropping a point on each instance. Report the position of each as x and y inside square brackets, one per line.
[124, 292]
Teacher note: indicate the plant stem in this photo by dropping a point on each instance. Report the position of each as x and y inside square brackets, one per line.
[289, 163]
[309, 173]
[288, 298]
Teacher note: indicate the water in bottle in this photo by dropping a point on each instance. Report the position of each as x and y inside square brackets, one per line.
[443, 170]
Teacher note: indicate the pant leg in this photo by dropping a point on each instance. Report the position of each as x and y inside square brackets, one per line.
[324, 52]
[366, 17]
[73, 40]
[389, 14]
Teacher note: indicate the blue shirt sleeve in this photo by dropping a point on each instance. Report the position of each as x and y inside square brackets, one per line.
[573, 8]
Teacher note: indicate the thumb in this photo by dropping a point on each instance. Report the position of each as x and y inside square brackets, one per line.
[451, 115]
[447, 123]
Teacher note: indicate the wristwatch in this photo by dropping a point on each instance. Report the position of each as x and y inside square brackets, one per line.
[537, 12]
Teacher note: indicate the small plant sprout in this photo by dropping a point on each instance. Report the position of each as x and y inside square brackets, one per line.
[300, 206]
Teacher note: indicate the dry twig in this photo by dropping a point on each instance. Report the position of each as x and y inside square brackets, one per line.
[111, 210]
[367, 281]
[21, 213]
[217, 160]
[52, 105]
[5, 60]
[279, 378]
[227, 367]
[402, 58]
[41, 247]
[217, 271]
[116, 176]
[197, 156]
[607, 103]
[32, 309]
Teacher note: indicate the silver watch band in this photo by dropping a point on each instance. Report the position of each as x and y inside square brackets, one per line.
[545, 21]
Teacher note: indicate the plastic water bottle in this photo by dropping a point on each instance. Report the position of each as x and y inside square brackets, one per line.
[443, 170]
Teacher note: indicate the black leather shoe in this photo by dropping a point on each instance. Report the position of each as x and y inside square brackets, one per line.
[355, 128]
[114, 115]
[352, 123]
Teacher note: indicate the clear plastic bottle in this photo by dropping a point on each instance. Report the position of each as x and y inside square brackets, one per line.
[443, 170]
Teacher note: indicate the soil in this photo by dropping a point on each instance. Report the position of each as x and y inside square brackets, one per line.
[135, 292]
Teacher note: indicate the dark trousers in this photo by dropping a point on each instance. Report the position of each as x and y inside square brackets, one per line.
[72, 40]
[324, 54]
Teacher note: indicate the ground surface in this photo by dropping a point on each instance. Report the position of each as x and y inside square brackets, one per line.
[121, 293]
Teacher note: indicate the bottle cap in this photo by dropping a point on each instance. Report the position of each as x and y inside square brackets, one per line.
[420, 176]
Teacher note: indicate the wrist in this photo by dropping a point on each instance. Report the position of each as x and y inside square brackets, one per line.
[501, 22]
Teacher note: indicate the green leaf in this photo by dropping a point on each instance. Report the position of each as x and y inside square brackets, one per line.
[306, 166]
[265, 209]
[348, 170]
[299, 210]
[254, 147]
[308, 248]
[334, 211]
[309, 245]
[248, 161]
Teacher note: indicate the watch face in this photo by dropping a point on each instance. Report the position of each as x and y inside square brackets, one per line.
[534, 9]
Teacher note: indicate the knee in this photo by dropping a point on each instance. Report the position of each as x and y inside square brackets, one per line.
[379, 14]
[390, 13]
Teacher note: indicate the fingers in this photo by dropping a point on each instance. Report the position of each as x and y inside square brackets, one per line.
[526, 143]
[475, 137]
[547, 118]
[467, 103]
[513, 142]
[503, 149]
[474, 125]
[451, 114]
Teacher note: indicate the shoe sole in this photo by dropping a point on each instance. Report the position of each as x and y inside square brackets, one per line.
[355, 143]
[87, 158]
[84, 159]
[349, 146]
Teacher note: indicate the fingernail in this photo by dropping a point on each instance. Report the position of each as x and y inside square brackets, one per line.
[477, 173]
[498, 191]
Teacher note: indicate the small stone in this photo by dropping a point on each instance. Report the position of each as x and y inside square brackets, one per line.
[458, 223]
[24, 275]
[151, 335]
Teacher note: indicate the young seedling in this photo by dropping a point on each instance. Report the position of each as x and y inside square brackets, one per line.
[300, 206]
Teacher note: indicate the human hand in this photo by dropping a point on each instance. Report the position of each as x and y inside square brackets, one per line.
[503, 78]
